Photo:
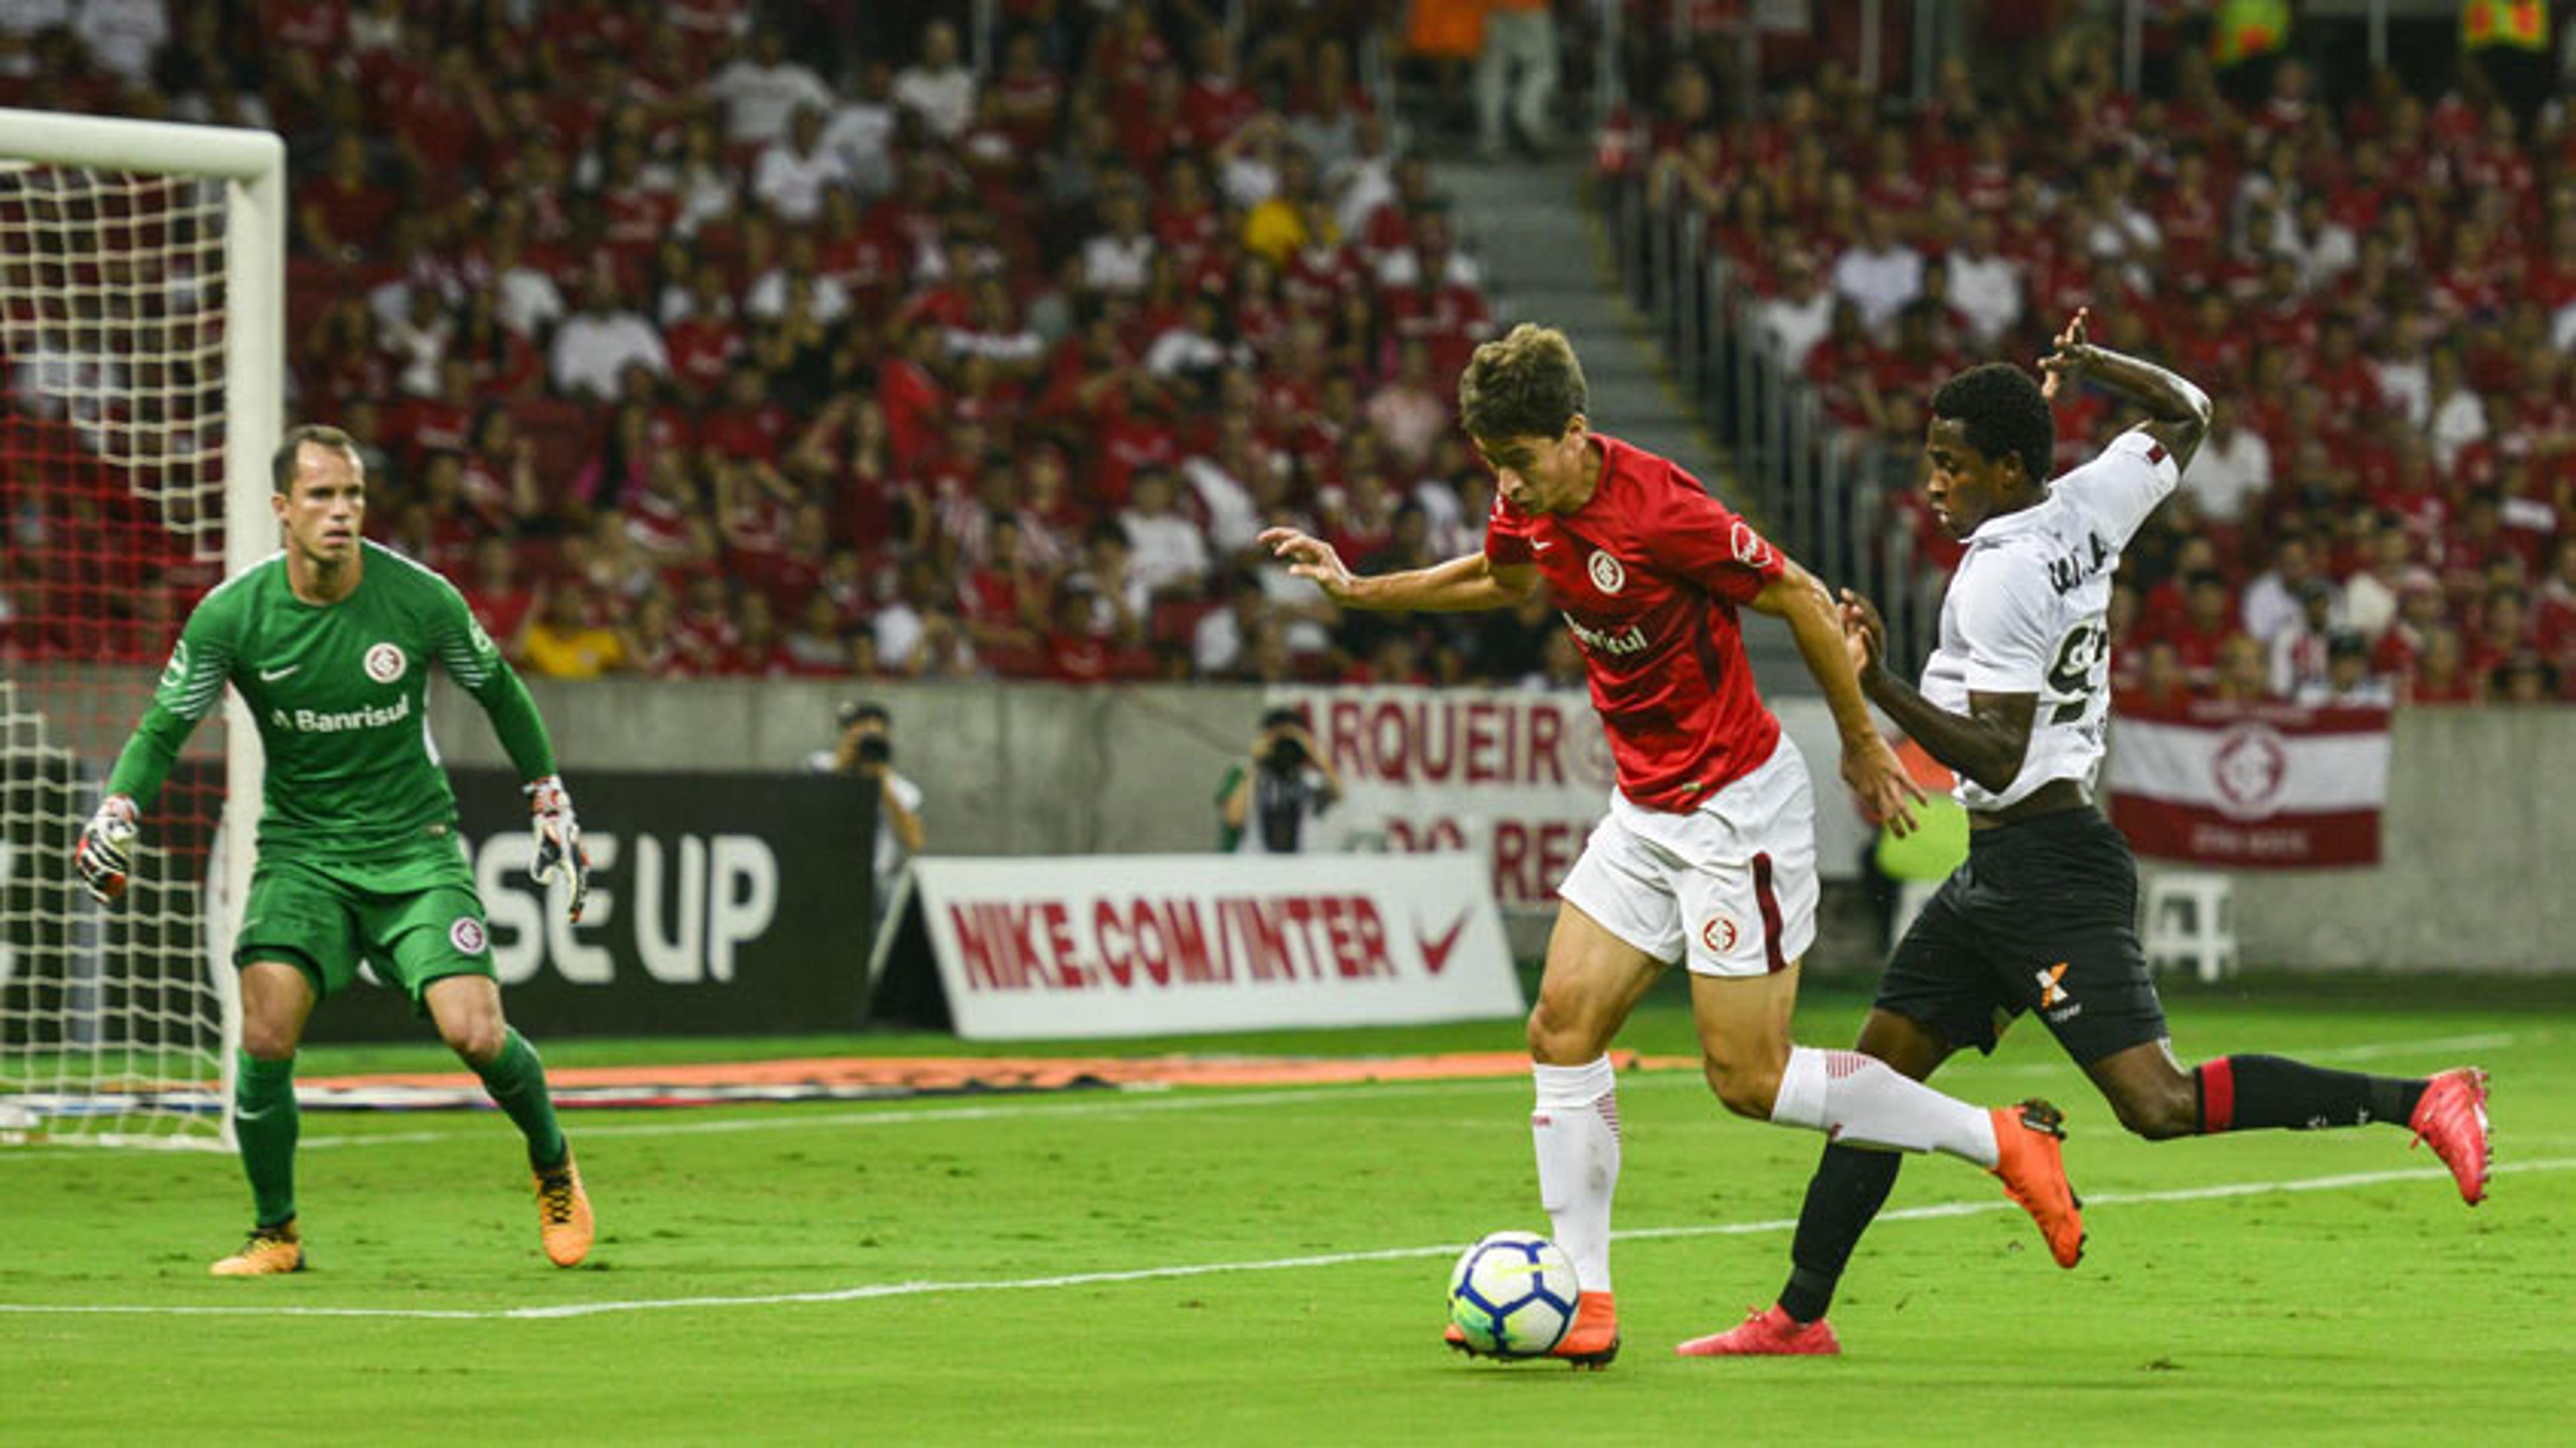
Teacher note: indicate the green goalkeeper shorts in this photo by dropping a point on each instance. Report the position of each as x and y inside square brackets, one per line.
[416, 921]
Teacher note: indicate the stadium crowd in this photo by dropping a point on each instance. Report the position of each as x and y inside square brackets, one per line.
[714, 338]
[708, 338]
[2379, 289]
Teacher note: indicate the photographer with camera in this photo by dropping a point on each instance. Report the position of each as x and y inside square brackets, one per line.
[866, 750]
[1264, 803]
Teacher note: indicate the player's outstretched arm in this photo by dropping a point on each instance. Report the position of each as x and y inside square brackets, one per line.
[2177, 410]
[1986, 744]
[474, 662]
[1869, 766]
[1471, 581]
[191, 686]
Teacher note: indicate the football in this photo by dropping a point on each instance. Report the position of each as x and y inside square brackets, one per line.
[1513, 1294]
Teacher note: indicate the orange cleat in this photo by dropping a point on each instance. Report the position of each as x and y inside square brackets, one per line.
[1590, 1341]
[268, 1252]
[563, 1214]
[1768, 1334]
[2033, 1172]
[2453, 1116]
[1593, 1340]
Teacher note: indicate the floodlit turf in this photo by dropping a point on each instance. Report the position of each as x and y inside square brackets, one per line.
[969, 1256]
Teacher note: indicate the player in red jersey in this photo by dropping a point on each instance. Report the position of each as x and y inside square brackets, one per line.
[1708, 853]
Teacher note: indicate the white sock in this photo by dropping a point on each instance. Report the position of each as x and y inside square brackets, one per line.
[1860, 1101]
[1575, 1128]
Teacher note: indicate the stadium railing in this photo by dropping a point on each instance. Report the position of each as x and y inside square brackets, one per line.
[1824, 491]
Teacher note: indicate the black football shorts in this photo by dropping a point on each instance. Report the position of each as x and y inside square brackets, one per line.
[2042, 917]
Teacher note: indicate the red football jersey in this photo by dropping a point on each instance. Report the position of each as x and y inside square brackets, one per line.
[1648, 574]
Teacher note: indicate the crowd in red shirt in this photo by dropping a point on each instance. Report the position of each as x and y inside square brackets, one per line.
[818, 359]
[2379, 290]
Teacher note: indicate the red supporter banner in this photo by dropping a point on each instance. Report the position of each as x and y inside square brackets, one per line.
[2252, 786]
[1515, 777]
[1134, 945]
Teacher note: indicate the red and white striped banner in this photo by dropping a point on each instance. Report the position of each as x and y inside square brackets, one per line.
[2252, 786]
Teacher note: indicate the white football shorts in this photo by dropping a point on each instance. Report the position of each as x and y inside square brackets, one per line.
[1729, 888]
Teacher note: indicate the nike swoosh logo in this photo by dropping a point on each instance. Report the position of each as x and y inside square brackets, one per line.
[270, 676]
[1541, 547]
[1436, 949]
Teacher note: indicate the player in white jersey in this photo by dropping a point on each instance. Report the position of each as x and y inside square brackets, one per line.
[2042, 915]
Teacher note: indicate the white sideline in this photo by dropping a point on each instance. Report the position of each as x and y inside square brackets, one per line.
[1208, 1269]
[1127, 1099]
[1132, 1099]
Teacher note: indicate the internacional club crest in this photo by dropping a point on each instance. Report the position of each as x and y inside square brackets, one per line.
[385, 663]
[1608, 573]
[2250, 768]
[1719, 934]
[1748, 547]
[466, 935]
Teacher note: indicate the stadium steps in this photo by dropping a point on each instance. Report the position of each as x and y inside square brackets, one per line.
[1545, 253]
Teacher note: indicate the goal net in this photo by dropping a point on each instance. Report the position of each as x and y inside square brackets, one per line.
[141, 363]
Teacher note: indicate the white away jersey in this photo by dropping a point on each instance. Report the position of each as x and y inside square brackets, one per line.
[2025, 612]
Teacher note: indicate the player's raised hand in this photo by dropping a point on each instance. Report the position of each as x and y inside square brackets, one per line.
[1887, 793]
[2067, 362]
[105, 857]
[1311, 558]
[1864, 633]
[558, 834]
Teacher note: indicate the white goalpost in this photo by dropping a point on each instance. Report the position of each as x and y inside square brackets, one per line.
[142, 381]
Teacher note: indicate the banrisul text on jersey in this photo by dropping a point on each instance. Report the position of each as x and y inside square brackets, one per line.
[339, 692]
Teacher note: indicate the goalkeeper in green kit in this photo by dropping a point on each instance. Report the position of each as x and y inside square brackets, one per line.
[330, 645]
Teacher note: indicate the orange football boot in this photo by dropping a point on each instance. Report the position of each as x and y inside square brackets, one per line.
[563, 1214]
[267, 1252]
[2033, 1172]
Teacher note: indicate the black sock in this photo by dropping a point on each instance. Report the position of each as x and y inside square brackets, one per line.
[1849, 1187]
[2247, 1093]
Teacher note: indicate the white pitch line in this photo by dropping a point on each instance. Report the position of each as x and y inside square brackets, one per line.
[2359, 1051]
[2369, 1050]
[1115, 1101]
[1109, 1102]
[1121, 1101]
[876, 1290]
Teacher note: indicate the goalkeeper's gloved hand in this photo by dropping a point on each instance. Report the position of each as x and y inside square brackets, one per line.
[106, 854]
[558, 835]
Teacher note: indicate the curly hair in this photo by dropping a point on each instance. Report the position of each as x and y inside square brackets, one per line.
[1526, 384]
[2004, 413]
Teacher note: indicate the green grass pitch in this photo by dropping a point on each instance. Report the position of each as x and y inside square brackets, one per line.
[1266, 1266]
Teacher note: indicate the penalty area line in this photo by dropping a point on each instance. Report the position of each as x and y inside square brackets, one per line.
[877, 1290]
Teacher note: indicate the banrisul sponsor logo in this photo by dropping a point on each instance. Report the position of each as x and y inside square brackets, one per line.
[1630, 640]
[331, 721]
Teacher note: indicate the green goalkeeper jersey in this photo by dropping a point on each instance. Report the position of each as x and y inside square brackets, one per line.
[340, 694]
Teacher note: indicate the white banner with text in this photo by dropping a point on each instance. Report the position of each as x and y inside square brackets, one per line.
[1136, 945]
[1517, 778]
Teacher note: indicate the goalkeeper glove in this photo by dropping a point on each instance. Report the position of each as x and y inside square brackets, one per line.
[106, 854]
[558, 836]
